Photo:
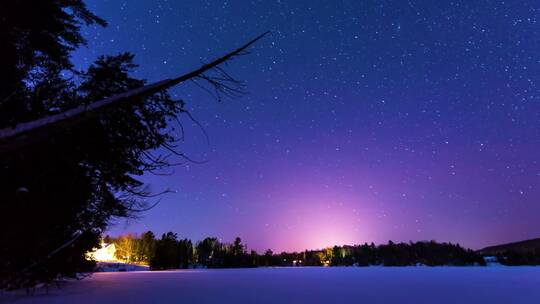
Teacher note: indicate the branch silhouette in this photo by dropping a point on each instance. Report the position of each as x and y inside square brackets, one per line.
[27, 133]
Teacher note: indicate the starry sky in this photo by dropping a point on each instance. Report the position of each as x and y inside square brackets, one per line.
[364, 120]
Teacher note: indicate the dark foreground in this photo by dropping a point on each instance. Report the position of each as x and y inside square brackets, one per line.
[301, 285]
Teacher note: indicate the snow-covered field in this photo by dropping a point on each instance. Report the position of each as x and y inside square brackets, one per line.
[413, 285]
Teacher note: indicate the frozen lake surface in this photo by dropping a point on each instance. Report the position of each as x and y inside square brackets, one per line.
[302, 285]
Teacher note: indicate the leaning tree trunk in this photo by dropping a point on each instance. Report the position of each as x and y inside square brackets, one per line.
[28, 133]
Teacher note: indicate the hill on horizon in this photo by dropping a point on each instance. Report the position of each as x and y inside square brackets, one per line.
[521, 246]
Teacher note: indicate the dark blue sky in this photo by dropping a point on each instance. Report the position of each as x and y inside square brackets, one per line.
[365, 120]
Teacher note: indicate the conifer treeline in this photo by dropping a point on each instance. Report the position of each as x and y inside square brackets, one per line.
[170, 252]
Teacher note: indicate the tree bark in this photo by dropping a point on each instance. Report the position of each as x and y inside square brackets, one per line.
[31, 132]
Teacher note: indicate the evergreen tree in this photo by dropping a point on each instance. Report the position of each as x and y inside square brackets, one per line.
[61, 186]
[167, 253]
[148, 246]
[268, 258]
[206, 249]
[185, 252]
[238, 248]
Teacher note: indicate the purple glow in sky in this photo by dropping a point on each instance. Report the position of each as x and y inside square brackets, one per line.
[365, 120]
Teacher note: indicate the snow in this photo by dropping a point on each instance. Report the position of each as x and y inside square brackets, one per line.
[301, 285]
[492, 261]
[114, 267]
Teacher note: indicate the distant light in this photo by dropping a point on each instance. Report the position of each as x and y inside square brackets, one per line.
[104, 254]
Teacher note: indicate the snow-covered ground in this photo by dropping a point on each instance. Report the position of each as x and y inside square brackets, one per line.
[370, 285]
[116, 267]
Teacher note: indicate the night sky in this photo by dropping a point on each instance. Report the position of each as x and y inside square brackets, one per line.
[364, 120]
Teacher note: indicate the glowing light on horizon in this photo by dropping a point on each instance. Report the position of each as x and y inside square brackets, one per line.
[320, 221]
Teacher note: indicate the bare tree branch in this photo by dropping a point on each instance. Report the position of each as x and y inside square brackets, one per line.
[27, 133]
